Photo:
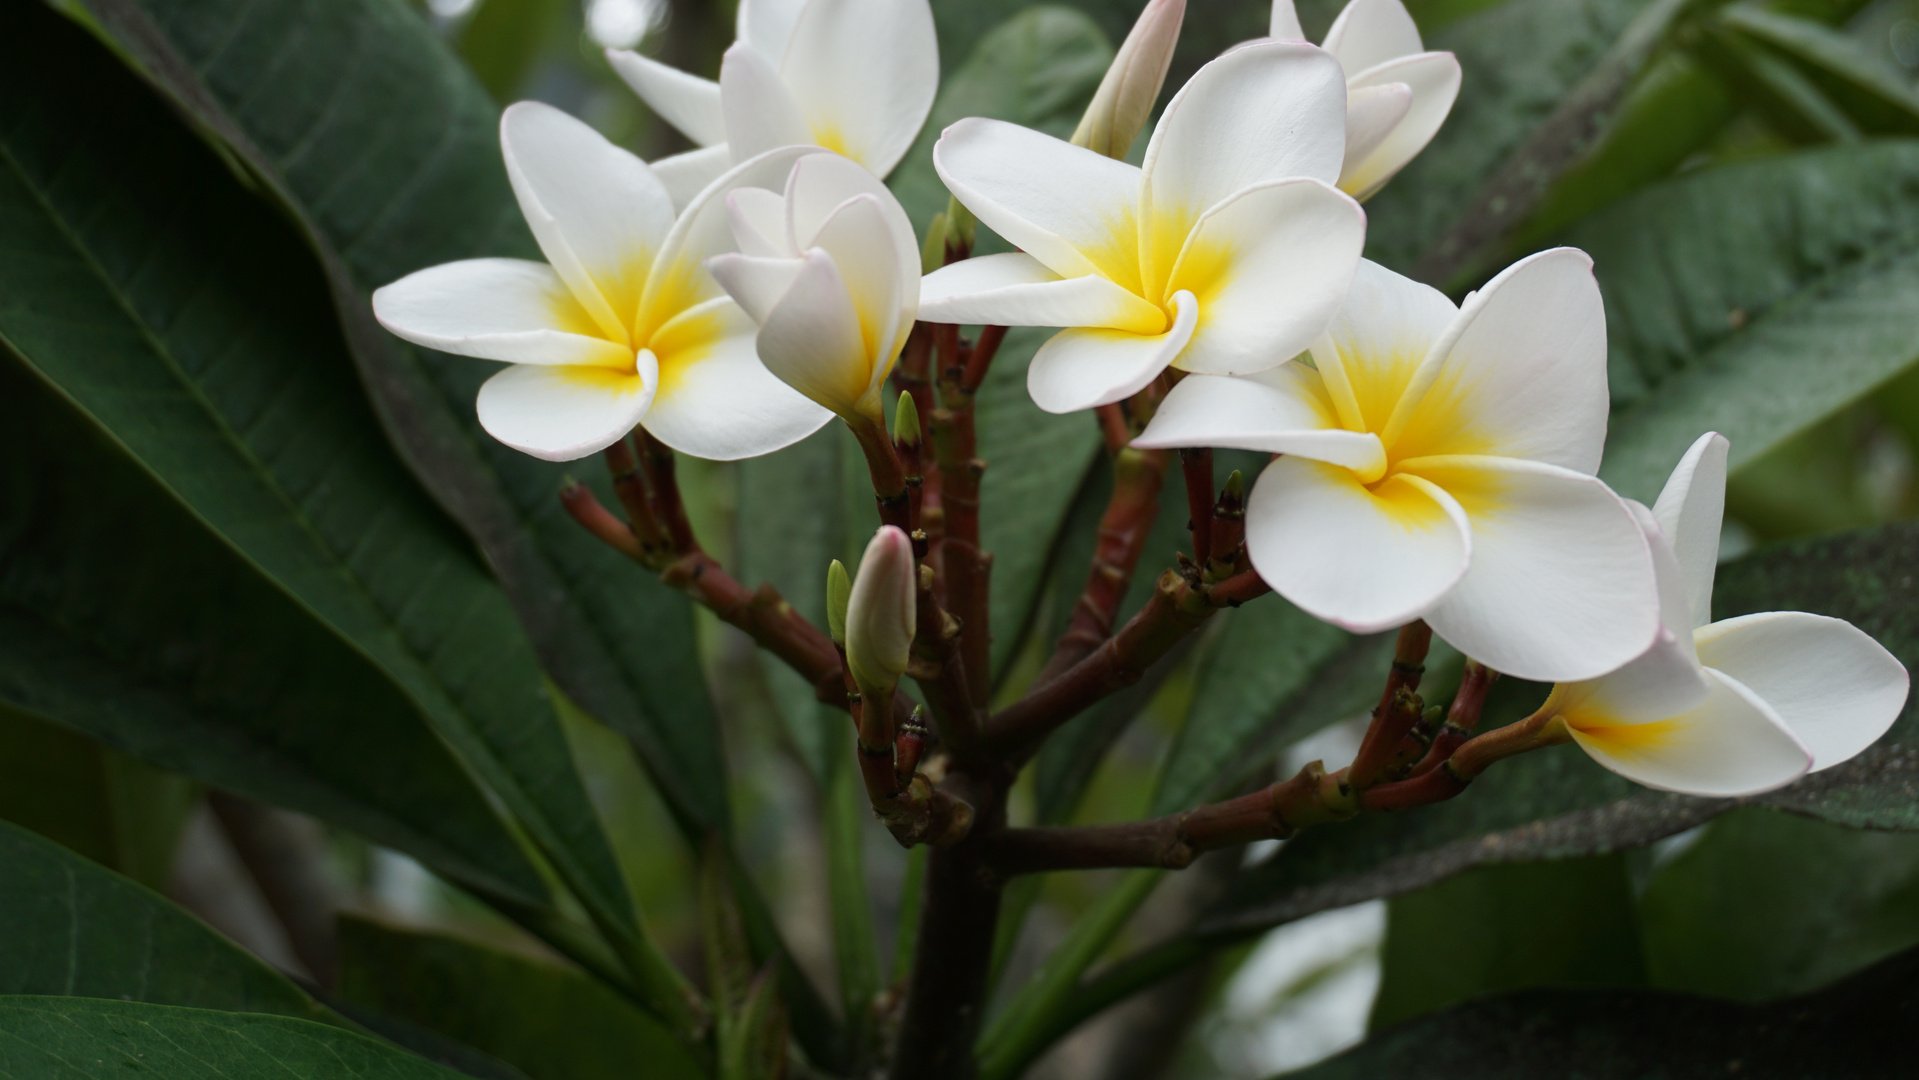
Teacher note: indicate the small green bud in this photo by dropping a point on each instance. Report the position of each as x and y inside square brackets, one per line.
[961, 225]
[839, 593]
[906, 421]
[933, 251]
[1235, 486]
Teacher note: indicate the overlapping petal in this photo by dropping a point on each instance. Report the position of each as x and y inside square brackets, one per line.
[1370, 32]
[1282, 410]
[821, 183]
[496, 309]
[716, 399]
[1731, 744]
[1372, 112]
[691, 104]
[686, 175]
[1083, 368]
[1836, 688]
[863, 74]
[1432, 83]
[1561, 583]
[858, 238]
[1690, 510]
[812, 339]
[1270, 267]
[760, 111]
[565, 413]
[1016, 289]
[679, 279]
[1366, 559]
[767, 25]
[1376, 342]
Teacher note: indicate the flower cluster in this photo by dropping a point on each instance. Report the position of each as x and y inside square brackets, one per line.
[1430, 461]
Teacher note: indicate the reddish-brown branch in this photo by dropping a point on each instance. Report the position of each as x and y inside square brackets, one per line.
[663, 485]
[629, 486]
[913, 376]
[1226, 556]
[1462, 718]
[940, 670]
[1112, 427]
[1197, 465]
[980, 358]
[965, 568]
[1138, 476]
[887, 472]
[1394, 716]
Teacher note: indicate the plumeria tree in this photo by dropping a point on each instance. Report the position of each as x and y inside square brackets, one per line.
[456, 476]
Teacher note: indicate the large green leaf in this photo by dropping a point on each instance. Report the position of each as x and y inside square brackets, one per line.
[107, 622]
[382, 147]
[184, 317]
[1856, 1029]
[552, 1022]
[1767, 905]
[68, 1038]
[1754, 299]
[69, 927]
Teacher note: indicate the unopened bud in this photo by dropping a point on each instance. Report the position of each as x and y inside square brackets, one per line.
[1235, 488]
[881, 612]
[1126, 95]
[906, 421]
[839, 589]
[933, 251]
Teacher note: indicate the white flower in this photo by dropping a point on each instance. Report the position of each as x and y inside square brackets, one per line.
[1226, 253]
[854, 76]
[1397, 94]
[620, 326]
[1438, 464]
[830, 271]
[881, 612]
[1126, 94]
[1734, 707]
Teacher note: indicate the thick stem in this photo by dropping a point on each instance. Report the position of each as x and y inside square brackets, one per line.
[1197, 464]
[1461, 719]
[656, 460]
[965, 568]
[1138, 476]
[889, 476]
[765, 616]
[913, 376]
[942, 671]
[1398, 708]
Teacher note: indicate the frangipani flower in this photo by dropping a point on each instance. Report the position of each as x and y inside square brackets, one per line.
[1227, 252]
[1397, 94]
[1734, 707]
[854, 76]
[1438, 464]
[830, 271]
[620, 326]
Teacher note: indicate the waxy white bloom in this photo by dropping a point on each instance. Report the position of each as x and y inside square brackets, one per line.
[1397, 94]
[830, 270]
[1438, 463]
[1126, 94]
[1227, 252]
[621, 325]
[881, 613]
[854, 76]
[1734, 707]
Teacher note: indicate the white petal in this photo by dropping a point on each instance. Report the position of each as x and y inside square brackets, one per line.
[761, 114]
[812, 342]
[1285, 22]
[1728, 745]
[686, 175]
[821, 183]
[1562, 583]
[496, 309]
[679, 279]
[716, 399]
[1066, 206]
[1265, 111]
[1372, 112]
[1282, 410]
[565, 413]
[1376, 342]
[767, 24]
[1270, 267]
[864, 73]
[757, 283]
[1016, 289]
[691, 104]
[1829, 681]
[1362, 559]
[1690, 510]
[1370, 32]
[1083, 368]
[858, 238]
[598, 212]
[758, 219]
[1521, 372]
[1433, 79]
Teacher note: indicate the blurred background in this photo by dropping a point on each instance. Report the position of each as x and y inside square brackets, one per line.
[1815, 901]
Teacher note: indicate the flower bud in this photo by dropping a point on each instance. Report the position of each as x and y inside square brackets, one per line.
[1126, 95]
[906, 421]
[839, 591]
[880, 613]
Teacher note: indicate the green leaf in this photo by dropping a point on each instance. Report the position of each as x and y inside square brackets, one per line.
[185, 318]
[1857, 1028]
[383, 149]
[1501, 928]
[104, 623]
[505, 38]
[552, 1022]
[70, 927]
[117, 810]
[1880, 101]
[1754, 299]
[1767, 905]
[64, 1038]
